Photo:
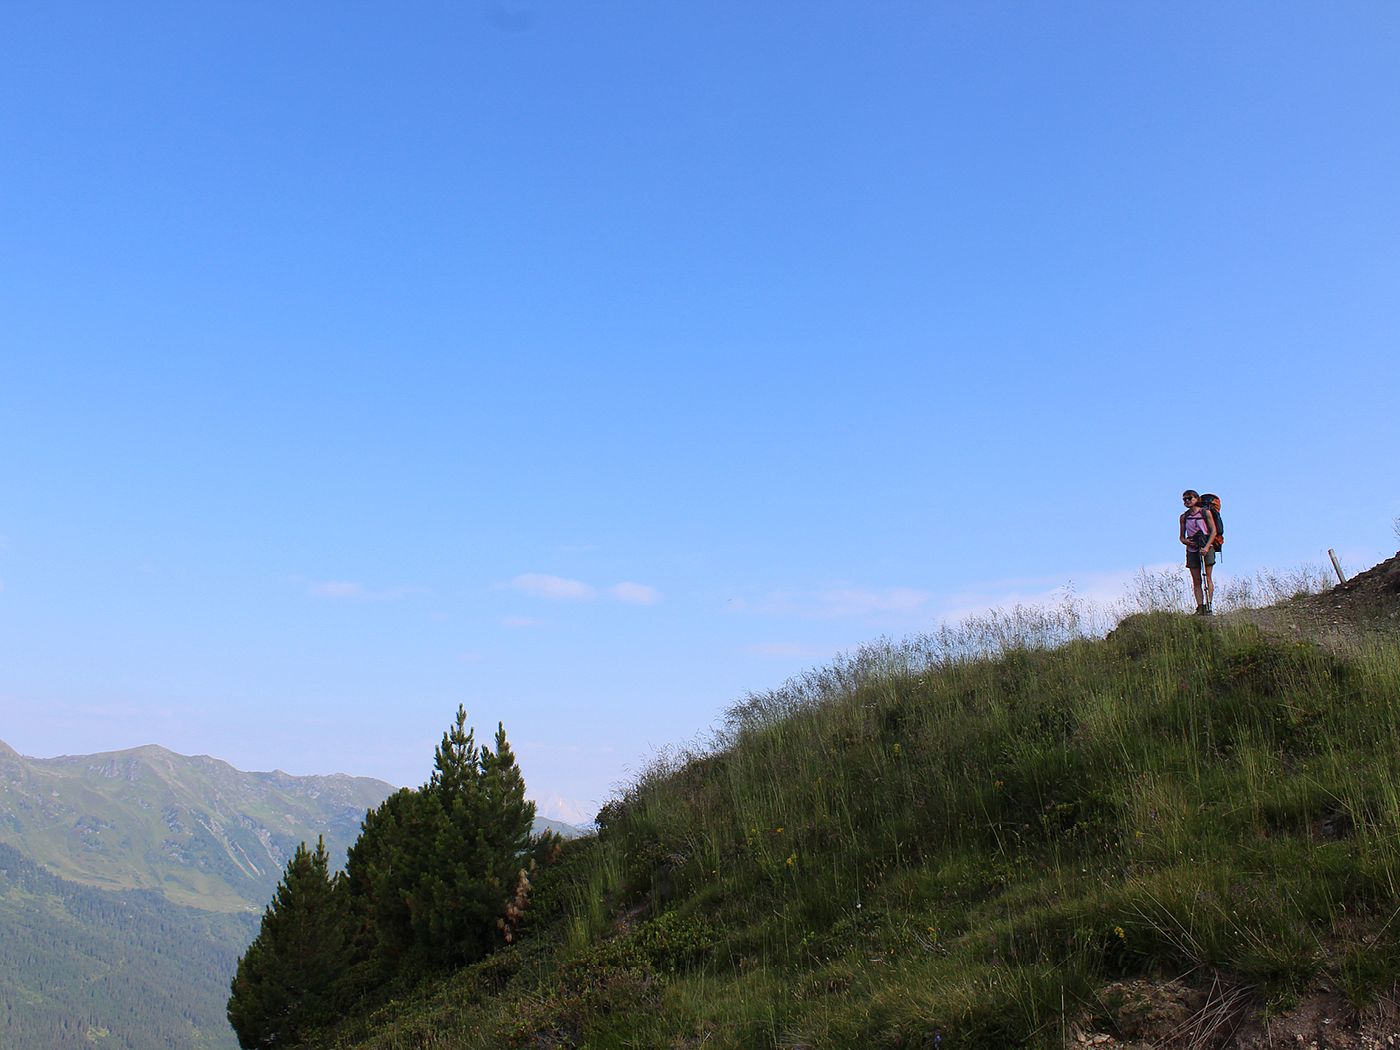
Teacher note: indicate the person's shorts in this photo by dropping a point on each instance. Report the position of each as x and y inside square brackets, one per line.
[1193, 559]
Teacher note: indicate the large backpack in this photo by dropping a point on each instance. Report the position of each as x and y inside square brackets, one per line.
[1211, 502]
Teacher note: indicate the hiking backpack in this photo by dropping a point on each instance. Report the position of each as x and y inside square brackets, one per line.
[1211, 502]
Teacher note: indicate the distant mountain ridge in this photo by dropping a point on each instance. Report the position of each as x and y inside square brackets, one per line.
[193, 828]
[559, 827]
[130, 882]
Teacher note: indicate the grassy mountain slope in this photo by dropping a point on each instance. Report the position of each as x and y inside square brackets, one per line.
[192, 828]
[1180, 832]
[133, 881]
[126, 970]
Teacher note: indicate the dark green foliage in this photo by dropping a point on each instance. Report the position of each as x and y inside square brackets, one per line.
[291, 977]
[482, 830]
[667, 944]
[437, 878]
[434, 872]
[387, 863]
[510, 815]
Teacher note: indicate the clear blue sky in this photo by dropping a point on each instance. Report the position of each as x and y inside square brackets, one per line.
[592, 364]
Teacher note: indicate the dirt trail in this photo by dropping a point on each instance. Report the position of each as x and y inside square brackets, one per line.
[1367, 603]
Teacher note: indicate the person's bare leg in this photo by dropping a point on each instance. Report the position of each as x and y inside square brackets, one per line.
[1209, 588]
[1196, 586]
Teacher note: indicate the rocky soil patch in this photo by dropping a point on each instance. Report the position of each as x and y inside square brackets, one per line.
[1170, 1015]
[1367, 603]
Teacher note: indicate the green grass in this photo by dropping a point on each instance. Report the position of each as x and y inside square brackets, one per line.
[924, 846]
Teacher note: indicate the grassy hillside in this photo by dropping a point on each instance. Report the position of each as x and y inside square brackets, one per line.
[994, 838]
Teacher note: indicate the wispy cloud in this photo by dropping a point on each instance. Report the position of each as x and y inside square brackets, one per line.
[349, 590]
[555, 588]
[634, 593]
[839, 602]
[520, 622]
[864, 601]
[337, 589]
[787, 650]
[563, 589]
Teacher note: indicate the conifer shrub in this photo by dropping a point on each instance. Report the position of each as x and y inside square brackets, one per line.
[291, 977]
[438, 878]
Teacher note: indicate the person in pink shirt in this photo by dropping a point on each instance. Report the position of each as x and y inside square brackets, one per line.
[1197, 534]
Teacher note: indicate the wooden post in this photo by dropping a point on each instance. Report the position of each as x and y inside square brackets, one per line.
[1336, 564]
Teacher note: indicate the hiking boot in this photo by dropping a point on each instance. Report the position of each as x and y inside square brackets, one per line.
[1200, 610]
[1209, 609]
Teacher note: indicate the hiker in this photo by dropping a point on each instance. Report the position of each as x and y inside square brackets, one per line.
[1197, 533]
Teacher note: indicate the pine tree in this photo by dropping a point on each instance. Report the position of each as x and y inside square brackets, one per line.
[479, 847]
[456, 763]
[511, 819]
[291, 976]
[509, 815]
[435, 871]
[457, 899]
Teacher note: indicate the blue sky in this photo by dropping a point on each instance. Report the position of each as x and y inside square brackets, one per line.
[595, 364]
